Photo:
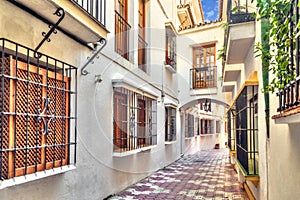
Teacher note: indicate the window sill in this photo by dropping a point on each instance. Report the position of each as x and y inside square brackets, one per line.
[170, 142]
[35, 176]
[128, 153]
[254, 178]
[208, 134]
[170, 68]
[190, 138]
[290, 116]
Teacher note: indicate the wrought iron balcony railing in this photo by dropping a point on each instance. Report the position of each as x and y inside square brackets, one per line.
[289, 96]
[171, 61]
[239, 11]
[122, 36]
[142, 53]
[95, 8]
[203, 77]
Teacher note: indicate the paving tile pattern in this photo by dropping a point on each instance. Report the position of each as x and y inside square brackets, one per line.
[206, 175]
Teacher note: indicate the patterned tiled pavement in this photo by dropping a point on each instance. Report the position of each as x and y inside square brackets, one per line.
[206, 174]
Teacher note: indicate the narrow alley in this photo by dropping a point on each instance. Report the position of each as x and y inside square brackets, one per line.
[203, 174]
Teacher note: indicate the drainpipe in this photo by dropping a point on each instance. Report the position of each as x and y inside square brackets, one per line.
[265, 76]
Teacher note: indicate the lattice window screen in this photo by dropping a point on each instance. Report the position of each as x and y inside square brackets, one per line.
[25, 149]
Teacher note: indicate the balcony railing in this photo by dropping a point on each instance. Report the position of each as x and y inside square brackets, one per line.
[142, 53]
[239, 11]
[95, 8]
[203, 77]
[122, 36]
[171, 61]
[289, 96]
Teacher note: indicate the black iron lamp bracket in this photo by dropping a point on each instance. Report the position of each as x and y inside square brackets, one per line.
[94, 55]
[61, 14]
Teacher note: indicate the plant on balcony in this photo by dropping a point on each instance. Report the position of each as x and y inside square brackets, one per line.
[170, 61]
[276, 48]
[221, 54]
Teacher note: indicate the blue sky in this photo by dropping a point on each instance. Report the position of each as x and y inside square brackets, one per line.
[210, 9]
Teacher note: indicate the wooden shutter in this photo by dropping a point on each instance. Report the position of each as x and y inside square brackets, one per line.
[120, 120]
[29, 149]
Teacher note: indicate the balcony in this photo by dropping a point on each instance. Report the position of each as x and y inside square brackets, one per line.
[142, 53]
[240, 11]
[241, 30]
[84, 20]
[230, 75]
[289, 95]
[170, 64]
[203, 77]
[95, 8]
[122, 36]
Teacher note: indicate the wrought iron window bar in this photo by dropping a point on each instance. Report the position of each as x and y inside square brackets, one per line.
[206, 126]
[247, 129]
[189, 125]
[203, 77]
[231, 129]
[38, 100]
[135, 120]
[289, 96]
[170, 124]
[95, 8]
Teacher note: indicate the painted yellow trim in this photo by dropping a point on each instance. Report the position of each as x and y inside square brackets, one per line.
[81, 16]
[248, 191]
[253, 178]
[253, 80]
[232, 153]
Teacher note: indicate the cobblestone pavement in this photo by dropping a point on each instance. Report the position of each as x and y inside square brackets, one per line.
[206, 174]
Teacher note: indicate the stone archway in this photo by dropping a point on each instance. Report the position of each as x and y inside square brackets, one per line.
[200, 100]
[209, 126]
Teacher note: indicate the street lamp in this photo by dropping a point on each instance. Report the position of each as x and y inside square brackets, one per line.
[206, 106]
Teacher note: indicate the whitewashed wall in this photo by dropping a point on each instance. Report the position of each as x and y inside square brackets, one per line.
[98, 173]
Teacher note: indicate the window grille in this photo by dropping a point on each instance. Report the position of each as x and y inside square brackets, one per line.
[36, 97]
[247, 129]
[189, 125]
[170, 124]
[206, 126]
[231, 129]
[135, 120]
[218, 126]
